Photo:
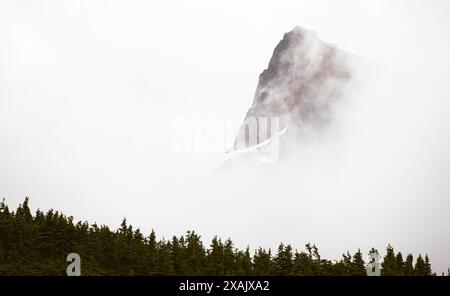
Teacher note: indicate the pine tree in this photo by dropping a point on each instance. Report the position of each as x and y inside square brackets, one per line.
[23, 211]
[347, 263]
[164, 264]
[178, 257]
[243, 263]
[316, 253]
[124, 244]
[195, 253]
[229, 258]
[389, 266]
[303, 264]
[420, 268]
[317, 262]
[151, 252]
[262, 262]
[246, 262]
[283, 260]
[400, 264]
[358, 267]
[408, 268]
[339, 269]
[4, 231]
[215, 257]
[309, 249]
[428, 270]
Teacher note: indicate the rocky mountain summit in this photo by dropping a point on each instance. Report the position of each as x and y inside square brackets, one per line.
[298, 90]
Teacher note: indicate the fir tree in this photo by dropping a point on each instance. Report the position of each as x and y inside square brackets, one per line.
[347, 264]
[262, 262]
[303, 264]
[400, 264]
[428, 270]
[216, 257]
[389, 266]
[408, 268]
[178, 257]
[283, 260]
[243, 262]
[420, 268]
[358, 267]
[151, 253]
[229, 258]
[246, 262]
[195, 253]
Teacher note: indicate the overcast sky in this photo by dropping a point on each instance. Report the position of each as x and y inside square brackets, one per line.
[89, 89]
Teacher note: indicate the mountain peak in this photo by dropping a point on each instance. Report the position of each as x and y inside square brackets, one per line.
[304, 79]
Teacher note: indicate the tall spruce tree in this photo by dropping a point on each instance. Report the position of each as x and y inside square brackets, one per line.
[195, 254]
[428, 270]
[151, 253]
[283, 260]
[229, 258]
[420, 268]
[178, 257]
[262, 262]
[358, 267]
[347, 263]
[400, 264]
[389, 266]
[243, 262]
[215, 257]
[408, 268]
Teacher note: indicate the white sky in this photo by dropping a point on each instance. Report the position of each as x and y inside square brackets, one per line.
[88, 90]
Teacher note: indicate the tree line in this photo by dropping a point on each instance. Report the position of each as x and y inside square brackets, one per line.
[38, 245]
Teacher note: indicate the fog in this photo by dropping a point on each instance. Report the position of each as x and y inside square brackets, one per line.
[89, 91]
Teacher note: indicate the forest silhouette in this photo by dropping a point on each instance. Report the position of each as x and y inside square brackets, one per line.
[39, 244]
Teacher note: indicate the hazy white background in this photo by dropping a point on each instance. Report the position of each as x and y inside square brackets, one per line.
[88, 90]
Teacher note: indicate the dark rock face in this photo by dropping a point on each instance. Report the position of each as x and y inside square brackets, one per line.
[303, 81]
